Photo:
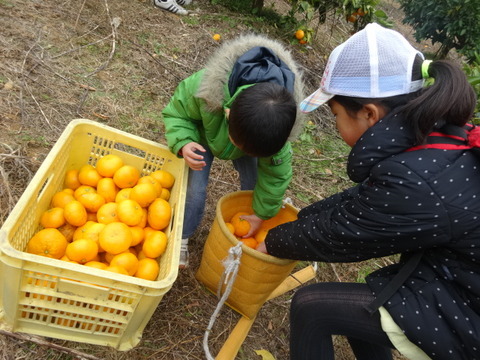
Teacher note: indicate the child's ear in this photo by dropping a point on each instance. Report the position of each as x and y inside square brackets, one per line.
[373, 113]
[227, 112]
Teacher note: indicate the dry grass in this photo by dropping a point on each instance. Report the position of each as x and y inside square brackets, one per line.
[118, 62]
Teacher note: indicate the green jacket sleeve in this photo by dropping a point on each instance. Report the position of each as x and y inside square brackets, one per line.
[182, 115]
[274, 176]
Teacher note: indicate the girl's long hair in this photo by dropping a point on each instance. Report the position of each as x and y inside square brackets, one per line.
[449, 100]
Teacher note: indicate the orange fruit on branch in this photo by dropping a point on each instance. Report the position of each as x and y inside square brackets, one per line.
[299, 34]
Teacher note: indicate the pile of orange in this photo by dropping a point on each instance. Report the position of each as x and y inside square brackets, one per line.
[239, 227]
[110, 217]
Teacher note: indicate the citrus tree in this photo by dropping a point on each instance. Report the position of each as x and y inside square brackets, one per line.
[452, 23]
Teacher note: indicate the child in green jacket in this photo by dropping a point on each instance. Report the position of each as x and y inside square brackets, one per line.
[242, 107]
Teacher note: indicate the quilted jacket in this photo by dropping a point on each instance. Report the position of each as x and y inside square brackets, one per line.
[409, 199]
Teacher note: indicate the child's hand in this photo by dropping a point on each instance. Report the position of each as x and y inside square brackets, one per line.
[255, 223]
[262, 247]
[191, 156]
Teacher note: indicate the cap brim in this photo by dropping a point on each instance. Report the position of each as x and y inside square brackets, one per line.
[312, 102]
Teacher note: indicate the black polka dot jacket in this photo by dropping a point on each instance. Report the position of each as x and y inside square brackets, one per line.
[409, 199]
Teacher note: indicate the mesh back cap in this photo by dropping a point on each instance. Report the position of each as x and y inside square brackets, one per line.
[373, 63]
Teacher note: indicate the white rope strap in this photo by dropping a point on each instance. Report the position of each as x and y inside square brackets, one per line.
[231, 265]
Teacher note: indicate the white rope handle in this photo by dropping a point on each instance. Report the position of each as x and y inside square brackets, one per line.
[231, 265]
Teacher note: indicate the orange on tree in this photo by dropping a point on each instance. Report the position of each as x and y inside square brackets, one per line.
[108, 164]
[115, 238]
[61, 198]
[52, 218]
[127, 260]
[75, 213]
[164, 177]
[92, 201]
[154, 244]
[108, 213]
[71, 179]
[82, 250]
[148, 179]
[126, 177]
[144, 194]
[159, 214]
[299, 34]
[123, 194]
[129, 212]
[48, 242]
[88, 175]
[148, 269]
[242, 226]
[107, 188]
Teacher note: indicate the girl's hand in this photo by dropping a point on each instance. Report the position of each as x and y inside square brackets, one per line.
[255, 223]
[193, 160]
[262, 247]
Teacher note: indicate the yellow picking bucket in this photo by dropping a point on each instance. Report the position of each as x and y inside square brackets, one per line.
[258, 274]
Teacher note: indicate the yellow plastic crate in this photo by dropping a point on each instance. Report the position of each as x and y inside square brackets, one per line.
[62, 300]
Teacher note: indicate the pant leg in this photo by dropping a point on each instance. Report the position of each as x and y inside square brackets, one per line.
[196, 195]
[247, 169]
[321, 310]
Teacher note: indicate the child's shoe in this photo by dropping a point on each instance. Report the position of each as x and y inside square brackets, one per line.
[170, 5]
[184, 2]
[183, 263]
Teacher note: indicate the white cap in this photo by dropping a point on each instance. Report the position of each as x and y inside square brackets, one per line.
[374, 63]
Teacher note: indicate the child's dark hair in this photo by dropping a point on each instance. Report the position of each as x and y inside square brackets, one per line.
[450, 100]
[261, 119]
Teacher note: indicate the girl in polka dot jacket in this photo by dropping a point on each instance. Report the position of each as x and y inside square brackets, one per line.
[415, 158]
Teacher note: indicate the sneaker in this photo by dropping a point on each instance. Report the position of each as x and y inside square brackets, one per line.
[183, 2]
[170, 5]
[183, 264]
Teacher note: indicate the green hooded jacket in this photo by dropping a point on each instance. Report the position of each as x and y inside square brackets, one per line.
[196, 113]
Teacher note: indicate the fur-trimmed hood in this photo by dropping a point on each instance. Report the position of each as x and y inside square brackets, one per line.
[220, 64]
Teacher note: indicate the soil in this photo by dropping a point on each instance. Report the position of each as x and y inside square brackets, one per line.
[118, 63]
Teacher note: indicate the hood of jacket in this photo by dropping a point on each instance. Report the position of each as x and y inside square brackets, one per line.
[249, 59]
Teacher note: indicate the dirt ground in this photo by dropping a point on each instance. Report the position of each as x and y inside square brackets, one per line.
[118, 63]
